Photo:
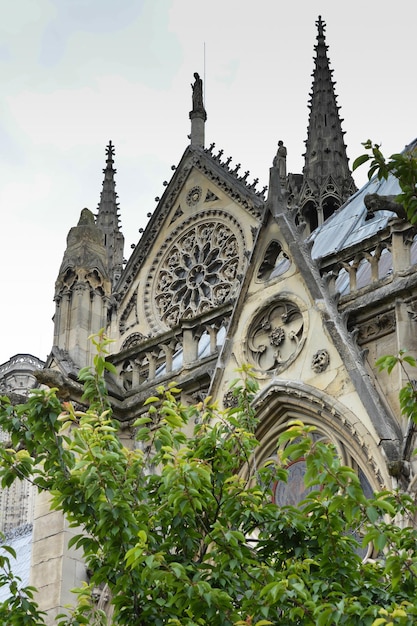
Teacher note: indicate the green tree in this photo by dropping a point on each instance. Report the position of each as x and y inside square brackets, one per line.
[184, 531]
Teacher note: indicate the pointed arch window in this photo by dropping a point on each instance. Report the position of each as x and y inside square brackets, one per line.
[330, 205]
[280, 403]
[275, 262]
[310, 215]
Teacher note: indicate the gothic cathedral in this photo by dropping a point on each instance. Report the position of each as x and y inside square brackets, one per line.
[301, 280]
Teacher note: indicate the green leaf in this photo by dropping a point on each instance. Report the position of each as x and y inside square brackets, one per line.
[360, 161]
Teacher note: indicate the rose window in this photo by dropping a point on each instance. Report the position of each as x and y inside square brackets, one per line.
[198, 272]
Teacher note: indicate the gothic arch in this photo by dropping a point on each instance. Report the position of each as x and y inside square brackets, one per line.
[330, 205]
[282, 401]
[310, 215]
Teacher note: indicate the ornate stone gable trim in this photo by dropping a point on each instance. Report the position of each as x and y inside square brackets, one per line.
[219, 173]
[198, 267]
[154, 226]
[232, 171]
[233, 187]
[130, 308]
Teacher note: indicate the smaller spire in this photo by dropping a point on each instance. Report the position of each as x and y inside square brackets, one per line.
[198, 115]
[327, 179]
[108, 217]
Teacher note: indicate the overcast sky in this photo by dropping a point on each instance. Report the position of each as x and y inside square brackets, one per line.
[77, 73]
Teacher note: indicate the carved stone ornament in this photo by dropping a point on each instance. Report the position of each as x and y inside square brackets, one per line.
[193, 196]
[230, 400]
[378, 326]
[198, 271]
[133, 340]
[275, 336]
[320, 361]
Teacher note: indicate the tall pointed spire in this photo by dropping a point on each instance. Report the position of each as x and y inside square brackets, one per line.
[326, 175]
[108, 218]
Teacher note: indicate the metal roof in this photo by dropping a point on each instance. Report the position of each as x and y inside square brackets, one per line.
[349, 224]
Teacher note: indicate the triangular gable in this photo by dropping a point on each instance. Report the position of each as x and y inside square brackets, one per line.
[286, 325]
[204, 224]
[220, 174]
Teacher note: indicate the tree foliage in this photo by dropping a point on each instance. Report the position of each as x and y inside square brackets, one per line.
[184, 530]
[402, 165]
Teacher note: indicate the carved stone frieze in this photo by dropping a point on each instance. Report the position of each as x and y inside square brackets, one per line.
[275, 336]
[133, 340]
[197, 269]
[376, 327]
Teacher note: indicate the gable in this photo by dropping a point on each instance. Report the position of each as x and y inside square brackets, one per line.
[194, 252]
[288, 328]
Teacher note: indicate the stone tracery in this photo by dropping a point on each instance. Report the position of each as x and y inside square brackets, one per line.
[276, 335]
[199, 271]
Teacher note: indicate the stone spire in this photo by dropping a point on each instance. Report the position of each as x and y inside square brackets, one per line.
[108, 219]
[82, 290]
[198, 114]
[327, 179]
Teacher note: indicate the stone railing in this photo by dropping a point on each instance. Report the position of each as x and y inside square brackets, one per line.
[390, 252]
[176, 351]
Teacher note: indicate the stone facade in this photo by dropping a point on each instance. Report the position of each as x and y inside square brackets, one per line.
[301, 282]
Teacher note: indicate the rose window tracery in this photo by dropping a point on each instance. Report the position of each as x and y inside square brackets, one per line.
[275, 336]
[198, 272]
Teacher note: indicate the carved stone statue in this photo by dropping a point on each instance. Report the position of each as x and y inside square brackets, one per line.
[197, 91]
[197, 87]
[280, 160]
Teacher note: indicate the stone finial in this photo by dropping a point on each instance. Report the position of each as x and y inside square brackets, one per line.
[86, 218]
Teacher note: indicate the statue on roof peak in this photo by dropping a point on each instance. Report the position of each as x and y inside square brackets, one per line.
[197, 87]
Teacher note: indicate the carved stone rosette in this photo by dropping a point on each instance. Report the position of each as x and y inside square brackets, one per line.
[320, 361]
[230, 400]
[198, 270]
[275, 336]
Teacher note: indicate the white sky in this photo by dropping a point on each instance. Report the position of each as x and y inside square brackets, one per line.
[76, 73]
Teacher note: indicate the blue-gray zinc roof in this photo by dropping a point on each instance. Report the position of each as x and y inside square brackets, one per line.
[348, 225]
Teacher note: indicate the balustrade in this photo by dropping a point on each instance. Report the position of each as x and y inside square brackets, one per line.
[180, 349]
